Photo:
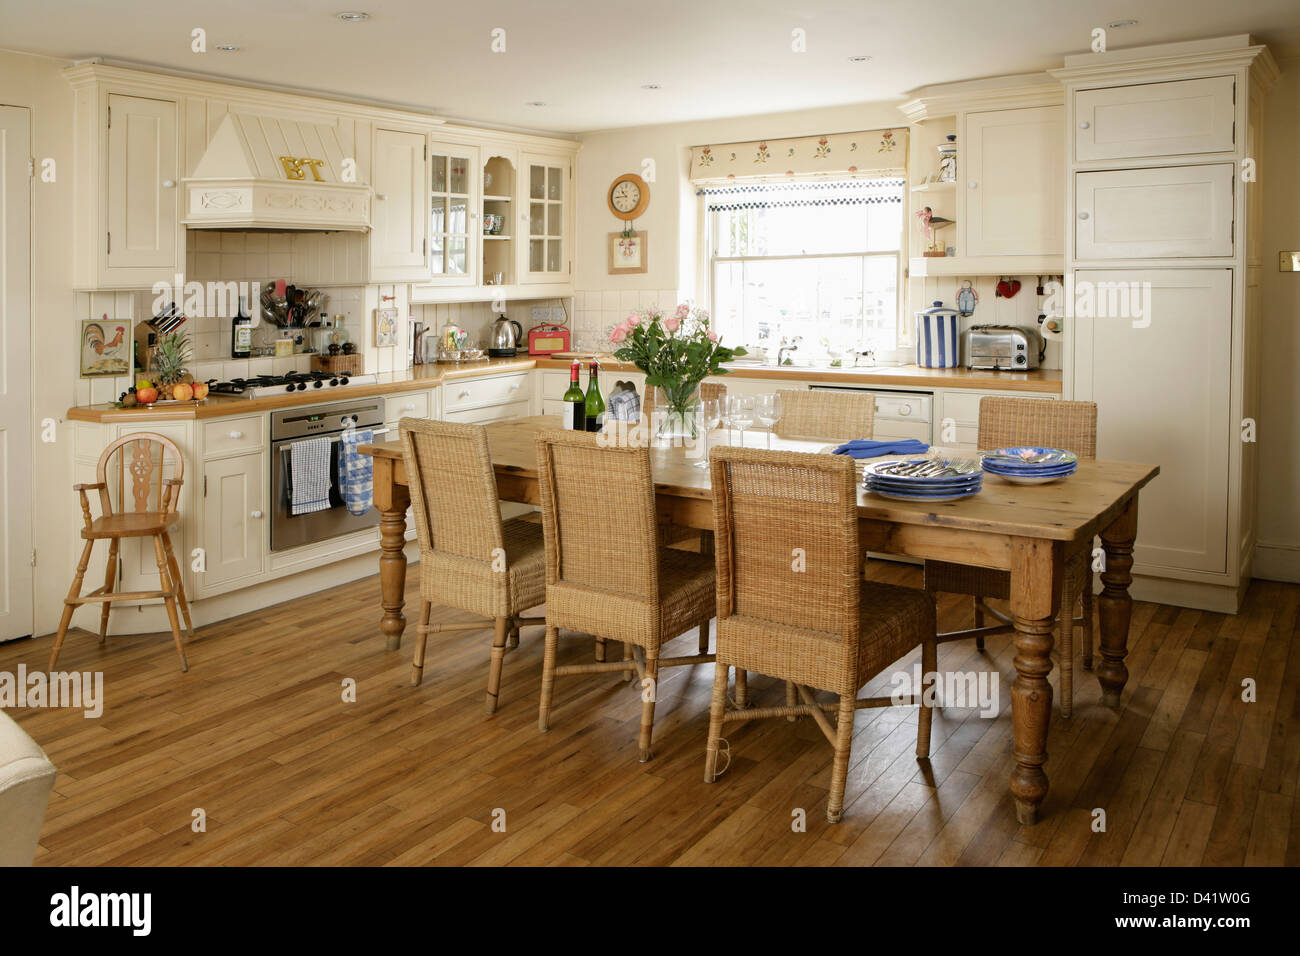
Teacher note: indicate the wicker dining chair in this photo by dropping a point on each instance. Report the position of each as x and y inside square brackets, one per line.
[792, 603]
[605, 573]
[138, 478]
[469, 558]
[834, 416]
[1005, 422]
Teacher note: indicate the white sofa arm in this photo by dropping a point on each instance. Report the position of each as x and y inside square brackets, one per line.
[26, 780]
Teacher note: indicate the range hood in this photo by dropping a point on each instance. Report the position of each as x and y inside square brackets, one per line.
[260, 172]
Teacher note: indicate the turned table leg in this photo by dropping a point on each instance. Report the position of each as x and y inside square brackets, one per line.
[1115, 606]
[1035, 596]
[392, 500]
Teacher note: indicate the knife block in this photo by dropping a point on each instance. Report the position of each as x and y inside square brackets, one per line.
[337, 364]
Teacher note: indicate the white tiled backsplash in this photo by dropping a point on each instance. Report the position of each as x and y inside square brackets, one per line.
[597, 311]
[992, 309]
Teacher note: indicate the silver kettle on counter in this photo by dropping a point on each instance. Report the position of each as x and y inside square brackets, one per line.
[505, 338]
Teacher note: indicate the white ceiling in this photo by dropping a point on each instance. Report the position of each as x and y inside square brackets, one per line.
[588, 59]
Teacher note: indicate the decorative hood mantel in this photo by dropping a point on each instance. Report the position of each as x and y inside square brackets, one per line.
[260, 172]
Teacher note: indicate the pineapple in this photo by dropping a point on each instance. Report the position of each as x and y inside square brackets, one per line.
[169, 358]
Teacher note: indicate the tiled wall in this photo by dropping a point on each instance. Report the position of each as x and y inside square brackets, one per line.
[1022, 309]
[596, 312]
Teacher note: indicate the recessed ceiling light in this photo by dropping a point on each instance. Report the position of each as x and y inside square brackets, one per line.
[859, 58]
[227, 48]
[535, 103]
[1120, 24]
[651, 86]
[353, 16]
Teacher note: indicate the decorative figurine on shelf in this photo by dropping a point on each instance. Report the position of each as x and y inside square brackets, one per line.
[934, 248]
[967, 297]
[948, 160]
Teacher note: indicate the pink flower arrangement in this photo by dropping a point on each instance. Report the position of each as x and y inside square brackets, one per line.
[672, 323]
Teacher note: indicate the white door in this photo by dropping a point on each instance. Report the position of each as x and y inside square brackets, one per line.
[1013, 184]
[15, 376]
[1164, 212]
[142, 175]
[1162, 383]
[1155, 119]
[399, 238]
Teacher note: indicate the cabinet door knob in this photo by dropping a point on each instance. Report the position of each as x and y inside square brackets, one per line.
[381, 196]
[514, 387]
[408, 408]
[463, 395]
[236, 435]
[973, 184]
[1084, 125]
[168, 183]
[904, 409]
[1083, 215]
[256, 514]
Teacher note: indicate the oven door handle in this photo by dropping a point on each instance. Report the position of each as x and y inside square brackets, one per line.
[289, 444]
[288, 470]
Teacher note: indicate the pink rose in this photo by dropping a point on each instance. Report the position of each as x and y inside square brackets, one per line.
[672, 324]
[633, 321]
[683, 311]
[713, 336]
[619, 334]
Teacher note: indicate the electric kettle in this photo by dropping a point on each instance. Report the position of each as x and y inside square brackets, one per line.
[505, 338]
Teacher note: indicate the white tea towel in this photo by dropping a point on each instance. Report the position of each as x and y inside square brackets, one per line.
[356, 471]
[309, 472]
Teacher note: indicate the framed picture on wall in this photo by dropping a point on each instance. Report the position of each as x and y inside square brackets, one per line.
[628, 253]
[385, 327]
[105, 347]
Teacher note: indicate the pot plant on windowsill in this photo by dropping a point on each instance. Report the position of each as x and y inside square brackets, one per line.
[677, 352]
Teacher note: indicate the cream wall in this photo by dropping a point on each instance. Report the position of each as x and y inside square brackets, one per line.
[1278, 553]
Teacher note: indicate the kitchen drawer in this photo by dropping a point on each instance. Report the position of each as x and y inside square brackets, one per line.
[230, 435]
[477, 392]
[407, 405]
[890, 429]
[1165, 212]
[489, 414]
[1155, 119]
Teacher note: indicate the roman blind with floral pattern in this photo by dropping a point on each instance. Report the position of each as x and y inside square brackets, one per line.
[840, 156]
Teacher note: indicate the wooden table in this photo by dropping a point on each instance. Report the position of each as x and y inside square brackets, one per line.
[1030, 531]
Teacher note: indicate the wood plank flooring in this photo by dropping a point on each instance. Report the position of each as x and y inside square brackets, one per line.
[258, 736]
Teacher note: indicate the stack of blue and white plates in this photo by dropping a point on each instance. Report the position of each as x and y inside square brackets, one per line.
[1029, 465]
[924, 479]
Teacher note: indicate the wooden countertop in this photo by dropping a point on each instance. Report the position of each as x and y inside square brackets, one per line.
[428, 376]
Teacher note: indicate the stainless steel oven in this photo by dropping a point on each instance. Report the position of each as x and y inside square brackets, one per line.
[328, 420]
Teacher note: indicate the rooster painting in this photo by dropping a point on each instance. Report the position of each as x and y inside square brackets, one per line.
[102, 355]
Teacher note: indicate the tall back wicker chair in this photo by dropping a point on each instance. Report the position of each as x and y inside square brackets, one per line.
[605, 573]
[792, 603]
[138, 479]
[469, 558]
[834, 416]
[1007, 422]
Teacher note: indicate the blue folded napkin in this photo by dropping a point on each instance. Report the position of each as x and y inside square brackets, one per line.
[865, 448]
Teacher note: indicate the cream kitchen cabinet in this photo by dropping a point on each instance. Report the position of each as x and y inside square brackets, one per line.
[128, 232]
[957, 422]
[545, 219]
[454, 221]
[1154, 213]
[1173, 118]
[399, 237]
[1013, 183]
[233, 523]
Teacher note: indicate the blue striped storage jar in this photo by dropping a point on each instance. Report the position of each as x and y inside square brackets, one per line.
[937, 337]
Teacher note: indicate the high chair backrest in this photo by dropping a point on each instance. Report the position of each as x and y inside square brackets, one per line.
[140, 472]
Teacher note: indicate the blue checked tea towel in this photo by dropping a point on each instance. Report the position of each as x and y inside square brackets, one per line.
[309, 470]
[356, 471]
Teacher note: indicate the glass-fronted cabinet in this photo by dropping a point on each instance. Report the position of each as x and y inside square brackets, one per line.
[453, 214]
[546, 255]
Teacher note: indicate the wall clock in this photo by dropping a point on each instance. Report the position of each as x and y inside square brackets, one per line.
[628, 196]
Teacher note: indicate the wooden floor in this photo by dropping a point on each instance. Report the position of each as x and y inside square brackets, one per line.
[258, 736]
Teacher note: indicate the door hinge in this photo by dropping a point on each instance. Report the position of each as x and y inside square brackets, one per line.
[110, 117]
[205, 486]
[108, 243]
[31, 167]
[426, 151]
[33, 557]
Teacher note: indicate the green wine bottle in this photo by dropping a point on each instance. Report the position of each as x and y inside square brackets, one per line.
[575, 403]
[595, 405]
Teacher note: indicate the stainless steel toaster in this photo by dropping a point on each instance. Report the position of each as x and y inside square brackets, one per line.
[1008, 347]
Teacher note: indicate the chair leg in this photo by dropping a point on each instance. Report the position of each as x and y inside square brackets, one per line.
[648, 696]
[110, 579]
[929, 673]
[421, 637]
[742, 687]
[512, 636]
[178, 584]
[840, 766]
[502, 625]
[979, 622]
[600, 650]
[550, 650]
[1087, 623]
[791, 699]
[169, 599]
[74, 592]
[704, 636]
[628, 656]
[717, 706]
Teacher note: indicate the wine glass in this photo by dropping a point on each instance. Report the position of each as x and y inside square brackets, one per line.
[768, 410]
[742, 414]
[710, 415]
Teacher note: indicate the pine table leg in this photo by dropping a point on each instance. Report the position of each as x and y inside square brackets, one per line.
[1036, 572]
[1115, 605]
[392, 500]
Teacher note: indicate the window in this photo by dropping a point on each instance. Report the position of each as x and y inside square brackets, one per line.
[817, 260]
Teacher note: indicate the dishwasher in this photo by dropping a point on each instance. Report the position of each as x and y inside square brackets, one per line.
[898, 414]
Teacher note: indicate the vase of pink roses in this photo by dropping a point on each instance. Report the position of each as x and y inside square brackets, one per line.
[677, 351]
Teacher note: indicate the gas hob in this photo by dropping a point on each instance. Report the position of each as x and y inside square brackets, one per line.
[262, 386]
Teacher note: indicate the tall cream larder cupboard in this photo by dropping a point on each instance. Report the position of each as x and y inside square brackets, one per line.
[1162, 323]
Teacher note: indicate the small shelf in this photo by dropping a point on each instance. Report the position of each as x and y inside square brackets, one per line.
[935, 187]
[921, 266]
[496, 237]
[497, 199]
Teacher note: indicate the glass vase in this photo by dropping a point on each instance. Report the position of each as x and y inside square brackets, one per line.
[677, 415]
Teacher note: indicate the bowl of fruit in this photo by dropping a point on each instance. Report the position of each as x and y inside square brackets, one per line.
[171, 384]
